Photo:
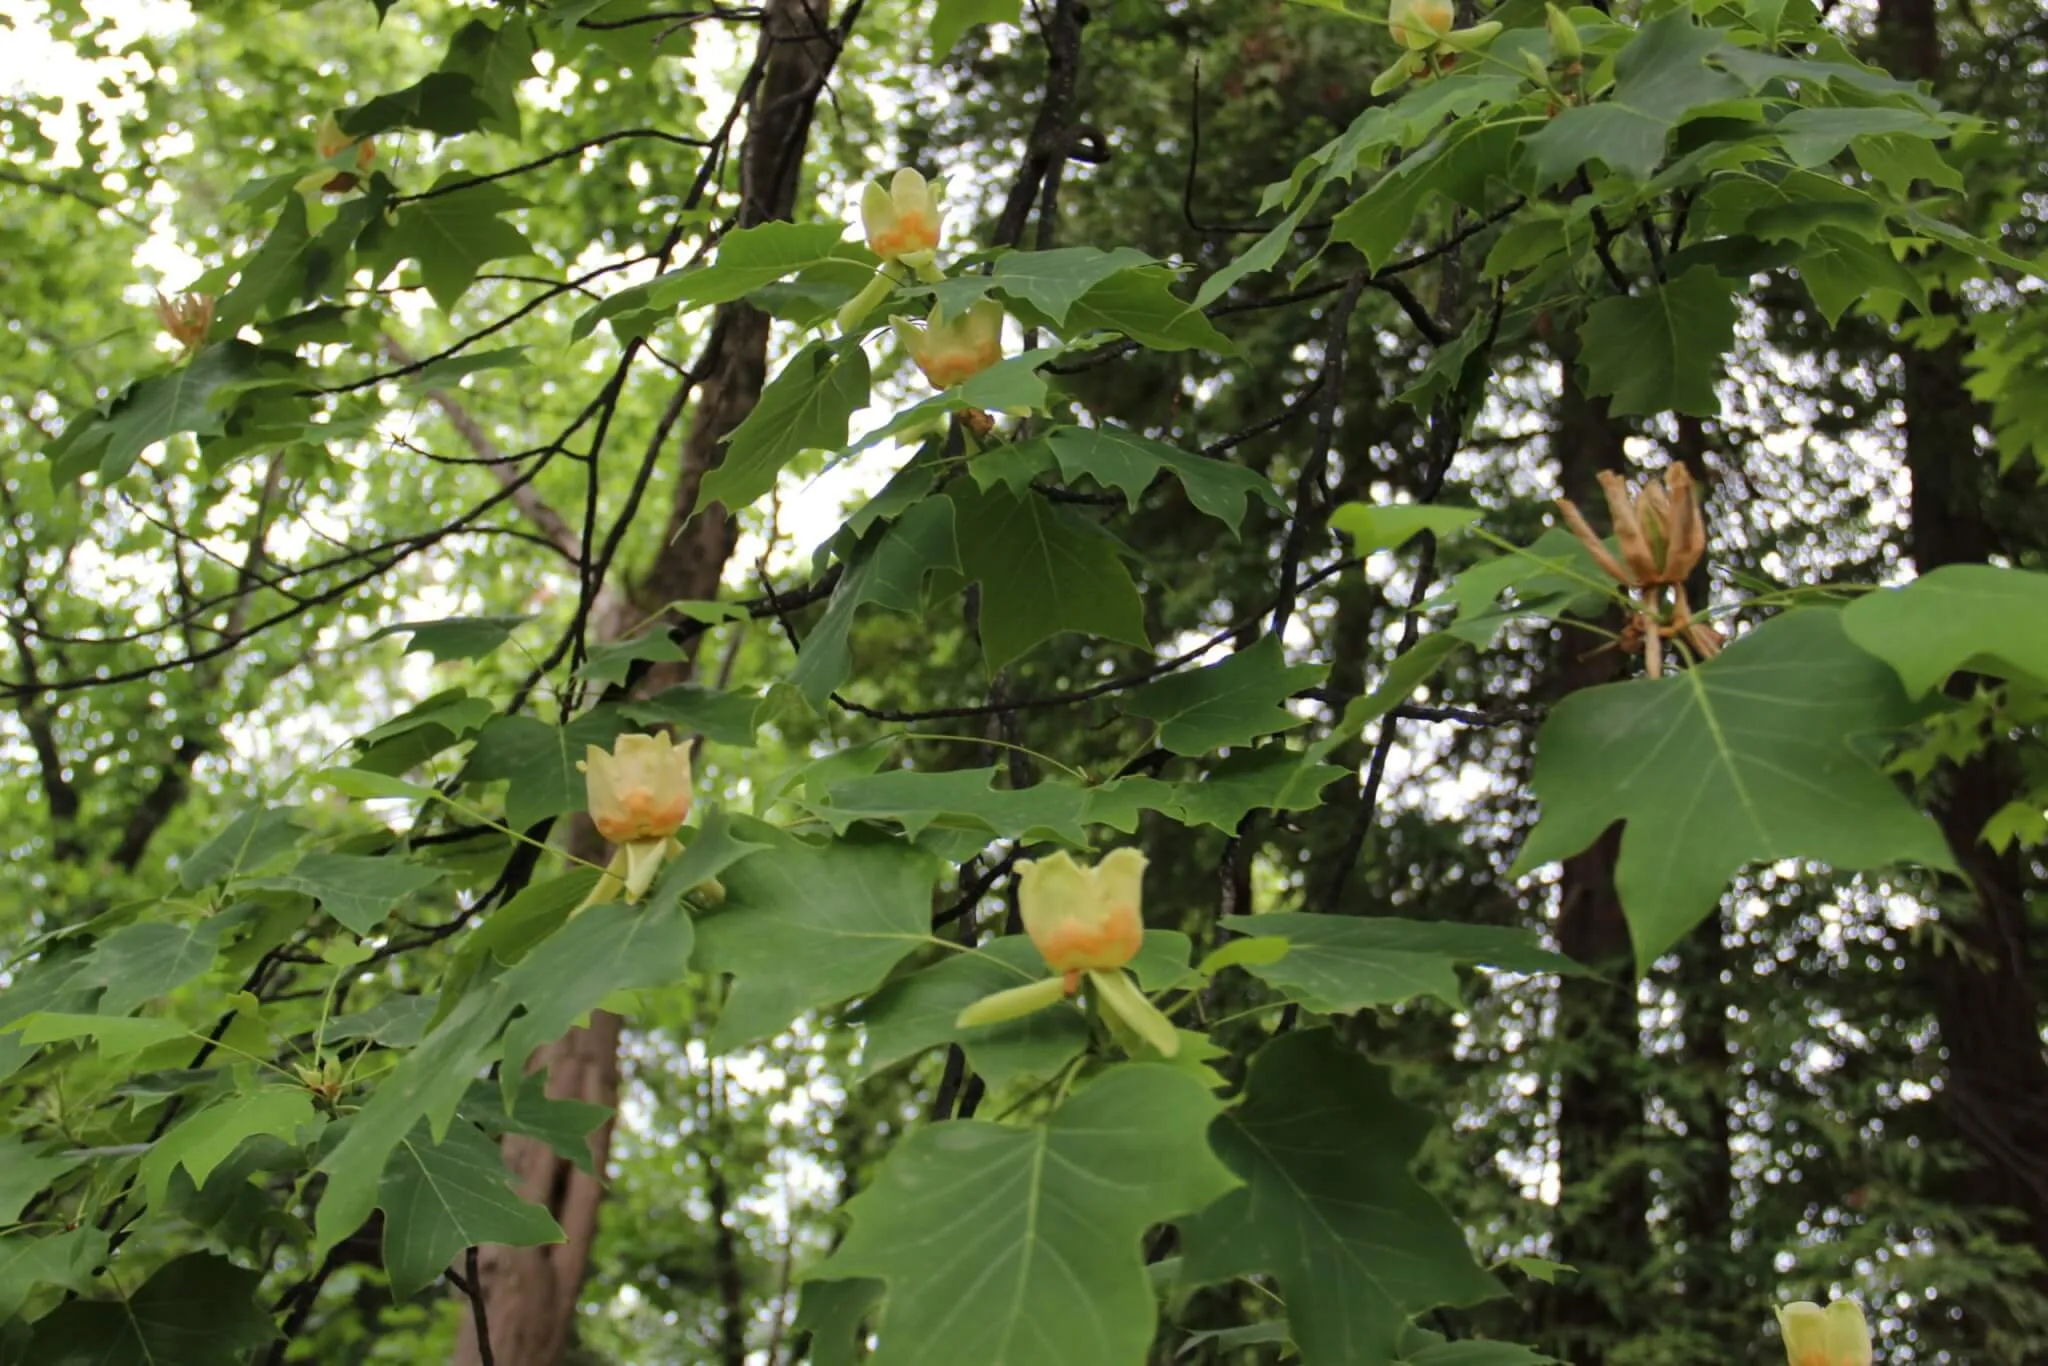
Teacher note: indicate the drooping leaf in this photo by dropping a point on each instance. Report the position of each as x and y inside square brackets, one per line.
[1125, 461]
[190, 397]
[1228, 704]
[1020, 1245]
[356, 889]
[1336, 964]
[439, 1198]
[1762, 752]
[1328, 1206]
[806, 407]
[1043, 570]
[1660, 350]
[25, 1168]
[918, 1012]
[1974, 616]
[196, 1310]
[809, 925]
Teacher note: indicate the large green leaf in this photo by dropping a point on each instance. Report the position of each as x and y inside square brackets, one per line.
[806, 407]
[1043, 570]
[959, 799]
[1660, 350]
[1125, 461]
[143, 961]
[1340, 963]
[356, 889]
[1973, 616]
[887, 569]
[439, 1198]
[539, 761]
[66, 1259]
[250, 840]
[453, 233]
[1019, 1246]
[808, 925]
[1458, 165]
[25, 1168]
[1660, 78]
[747, 259]
[1761, 753]
[919, 1012]
[190, 397]
[1328, 1206]
[1270, 778]
[1228, 704]
[1054, 281]
[951, 18]
[1141, 304]
[197, 1310]
[202, 1141]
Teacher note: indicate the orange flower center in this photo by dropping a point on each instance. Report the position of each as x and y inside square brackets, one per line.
[640, 815]
[913, 232]
[1077, 945]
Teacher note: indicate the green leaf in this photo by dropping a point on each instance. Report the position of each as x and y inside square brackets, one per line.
[1054, 281]
[1020, 1244]
[1661, 77]
[67, 1259]
[1815, 136]
[1388, 528]
[1839, 268]
[886, 569]
[832, 1313]
[1228, 704]
[202, 1141]
[1270, 778]
[1459, 165]
[1336, 964]
[453, 637]
[141, 962]
[1123, 460]
[539, 760]
[252, 839]
[918, 1012]
[1660, 350]
[439, 1198]
[1748, 757]
[808, 925]
[1141, 304]
[1328, 1206]
[453, 233]
[186, 398]
[445, 103]
[959, 799]
[1043, 570]
[724, 718]
[1960, 616]
[117, 1036]
[196, 1310]
[952, 18]
[747, 259]
[25, 1168]
[806, 407]
[289, 265]
[356, 889]
[564, 1125]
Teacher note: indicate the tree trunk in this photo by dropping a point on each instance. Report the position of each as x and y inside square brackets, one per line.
[1603, 1201]
[530, 1293]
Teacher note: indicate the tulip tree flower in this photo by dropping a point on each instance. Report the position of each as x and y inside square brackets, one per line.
[1085, 922]
[953, 350]
[330, 143]
[1430, 46]
[1661, 535]
[639, 793]
[185, 319]
[902, 223]
[1834, 1336]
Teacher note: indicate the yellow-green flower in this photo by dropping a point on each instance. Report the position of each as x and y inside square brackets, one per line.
[953, 350]
[902, 221]
[1834, 1336]
[640, 789]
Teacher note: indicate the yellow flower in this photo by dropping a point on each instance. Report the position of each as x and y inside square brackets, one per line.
[1420, 25]
[902, 221]
[1083, 920]
[951, 351]
[185, 318]
[330, 142]
[1834, 1336]
[640, 790]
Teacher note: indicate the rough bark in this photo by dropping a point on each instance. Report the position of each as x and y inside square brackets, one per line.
[1601, 1225]
[530, 1293]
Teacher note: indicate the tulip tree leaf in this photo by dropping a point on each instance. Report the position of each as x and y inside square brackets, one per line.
[918, 1012]
[832, 1313]
[453, 637]
[1660, 350]
[1127, 462]
[439, 1198]
[1043, 570]
[65, 1259]
[24, 1170]
[805, 407]
[808, 925]
[1393, 526]
[539, 760]
[452, 233]
[1021, 1244]
[1231, 703]
[1053, 281]
[1328, 1206]
[887, 569]
[1972, 616]
[1141, 304]
[1335, 964]
[202, 1141]
[251, 840]
[1270, 778]
[960, 798]
[197, 1310]
[356, 889]
[1751, 756]
[143, 961]
[190, 397]
[952, 18]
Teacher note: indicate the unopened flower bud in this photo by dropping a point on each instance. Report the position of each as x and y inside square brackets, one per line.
[1834, 1336]
[640, 790]
[1419, 25]
[185, 319]
[1472, 39]
[951, 351]
[1564, 35]
[902, 221]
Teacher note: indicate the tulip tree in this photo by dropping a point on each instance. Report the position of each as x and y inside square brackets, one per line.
[315, 1034]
